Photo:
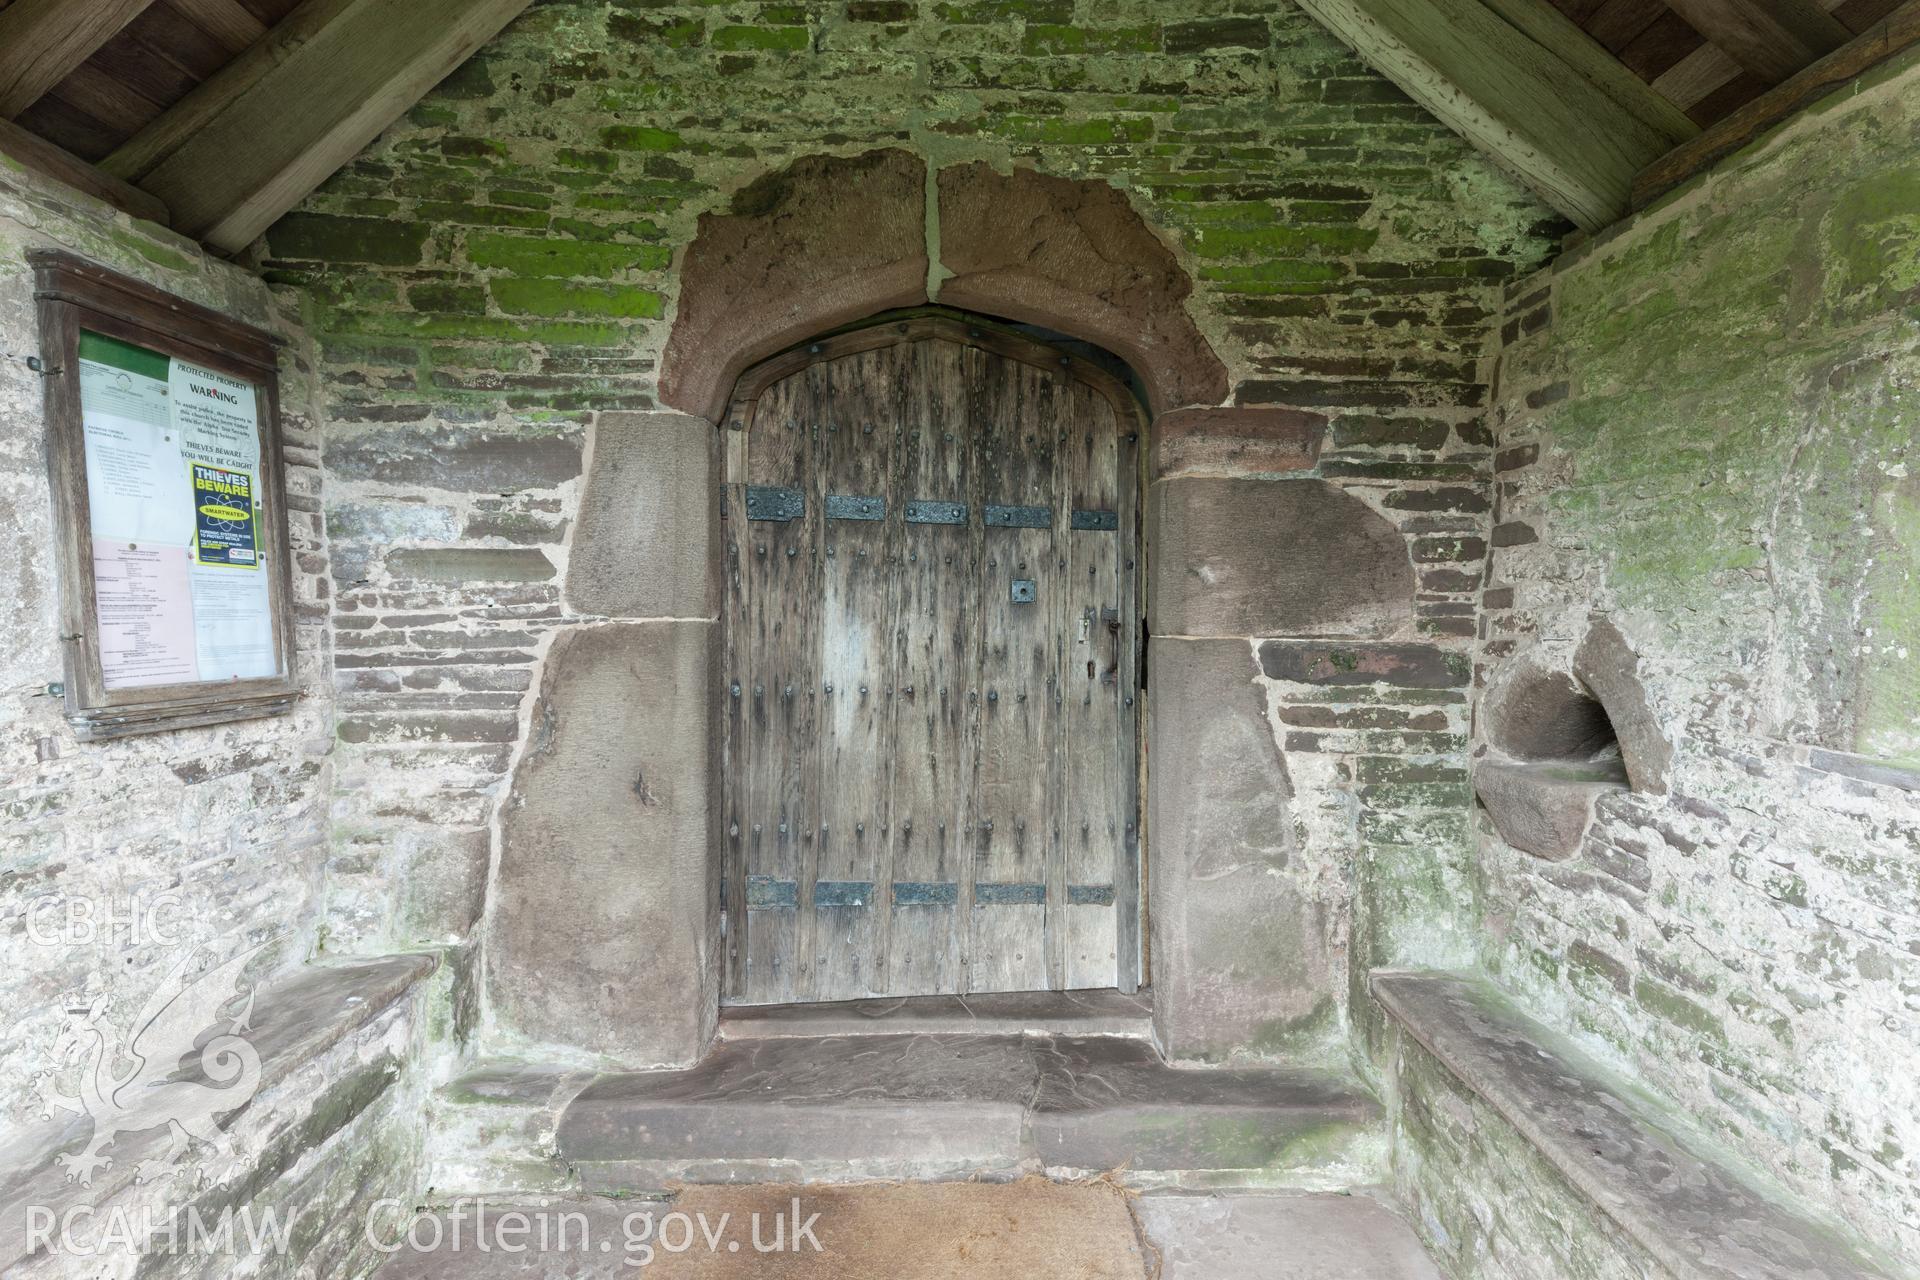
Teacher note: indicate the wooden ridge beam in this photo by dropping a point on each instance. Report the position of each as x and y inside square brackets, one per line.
[229, 161]
[42, 41]
[1771, 38]
[1523, 83]
[1895, 33]
[41, 156]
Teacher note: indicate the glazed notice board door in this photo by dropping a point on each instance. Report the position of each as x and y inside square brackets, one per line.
[931, 688]
[171, 535]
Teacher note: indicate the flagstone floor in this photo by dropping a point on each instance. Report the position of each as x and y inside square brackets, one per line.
[1088, 1231]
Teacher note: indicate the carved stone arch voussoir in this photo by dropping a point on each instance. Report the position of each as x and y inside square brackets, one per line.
[829, 240]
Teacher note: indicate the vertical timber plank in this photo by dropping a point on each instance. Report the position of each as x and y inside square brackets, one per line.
[935, 664]
[1051, 419]
[1012, 833]
[735, 744]
[1129, 877]
[849, 842]
[780, 692]
[1095, 678]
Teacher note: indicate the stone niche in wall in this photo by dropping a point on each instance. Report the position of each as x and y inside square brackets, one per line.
[1561, 735]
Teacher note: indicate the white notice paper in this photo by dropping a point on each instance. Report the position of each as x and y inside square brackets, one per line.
[218, 417]
[232, 624]
[137, 488]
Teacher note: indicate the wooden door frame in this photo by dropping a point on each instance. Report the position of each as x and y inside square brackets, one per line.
[1132, 927]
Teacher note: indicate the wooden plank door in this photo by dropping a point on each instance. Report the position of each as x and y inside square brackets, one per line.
[930, 733]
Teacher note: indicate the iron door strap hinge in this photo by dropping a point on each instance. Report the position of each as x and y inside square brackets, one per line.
[1000, 517]
[1097, 520]
[764, 893]
[766, 503]
[923, 511]
[843, 893]
[853, 506]
[935, 893]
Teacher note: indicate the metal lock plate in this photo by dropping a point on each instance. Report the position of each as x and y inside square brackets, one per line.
[1025, 590]
[764, 893]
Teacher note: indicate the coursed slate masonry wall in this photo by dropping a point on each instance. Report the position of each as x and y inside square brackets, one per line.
[499, 272]
[1707, 438]
[129, 865]
[116, 857]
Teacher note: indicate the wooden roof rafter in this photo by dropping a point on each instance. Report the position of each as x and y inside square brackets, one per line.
[1599, 105]
[42, 42]
[1523, 82]
[249, 104]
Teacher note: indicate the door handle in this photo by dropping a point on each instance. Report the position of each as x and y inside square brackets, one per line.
[1112, 673]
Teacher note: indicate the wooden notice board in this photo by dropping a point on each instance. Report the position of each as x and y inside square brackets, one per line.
[163, 447]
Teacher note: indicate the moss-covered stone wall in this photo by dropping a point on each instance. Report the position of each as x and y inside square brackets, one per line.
[503, 266]
[530, 209]
[1710, 431]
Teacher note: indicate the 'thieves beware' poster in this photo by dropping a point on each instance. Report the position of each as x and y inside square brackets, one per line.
[226, 522]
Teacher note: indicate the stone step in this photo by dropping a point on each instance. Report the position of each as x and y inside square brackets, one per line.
[835, 1109]
[1077, 1013]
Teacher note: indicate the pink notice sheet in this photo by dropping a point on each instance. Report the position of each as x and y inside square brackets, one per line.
[146, 614]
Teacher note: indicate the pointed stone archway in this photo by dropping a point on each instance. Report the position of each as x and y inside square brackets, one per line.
[826, 242]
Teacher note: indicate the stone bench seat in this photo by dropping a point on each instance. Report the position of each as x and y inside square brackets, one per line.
[1694, 1215]
[927, 1107]
[330, 1039]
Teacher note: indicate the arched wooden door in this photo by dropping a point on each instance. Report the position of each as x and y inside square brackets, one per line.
[931, 702]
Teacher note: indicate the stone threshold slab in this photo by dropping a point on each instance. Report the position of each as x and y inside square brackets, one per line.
[1013, 1013]
[929, 1107]
[1695, 1216]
